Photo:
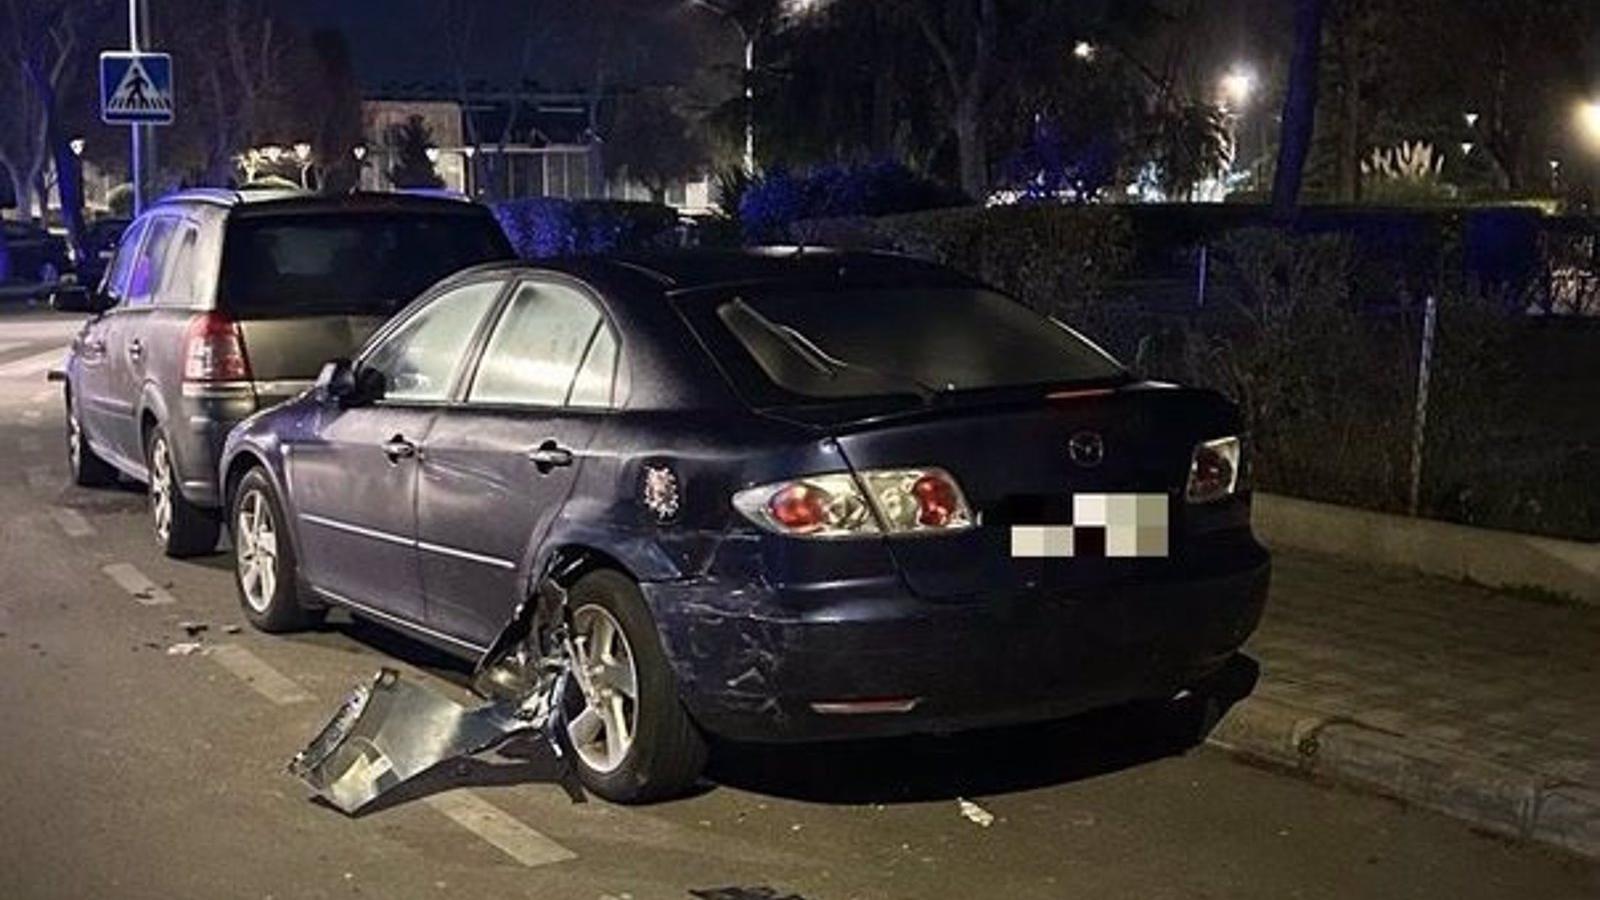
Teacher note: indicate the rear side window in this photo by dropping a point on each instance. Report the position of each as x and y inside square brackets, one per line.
[178, 268]
[872, 343]
[144, 279]
[348, 263]
[116, 283]
[551, 348]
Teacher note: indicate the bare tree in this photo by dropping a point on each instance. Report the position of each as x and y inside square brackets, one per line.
[42, 52]
[1299, 107]
[963, 36]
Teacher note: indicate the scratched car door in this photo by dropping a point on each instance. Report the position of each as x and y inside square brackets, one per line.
[497, 468]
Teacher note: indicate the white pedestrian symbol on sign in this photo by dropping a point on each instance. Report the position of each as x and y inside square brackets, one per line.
[136, 94]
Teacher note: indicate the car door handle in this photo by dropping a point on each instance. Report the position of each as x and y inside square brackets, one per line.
[398, 448]
[136, 349]
[548, 455]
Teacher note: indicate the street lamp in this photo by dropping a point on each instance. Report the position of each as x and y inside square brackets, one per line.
[359, 151]
[302, 154]
[432, 153]
[1084, 51]
[1589, 122]
[77, 144]
[1471, 119]
[1237, 86]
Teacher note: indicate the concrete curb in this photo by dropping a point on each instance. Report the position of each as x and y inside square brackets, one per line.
[1492, 795]
[1496, 558]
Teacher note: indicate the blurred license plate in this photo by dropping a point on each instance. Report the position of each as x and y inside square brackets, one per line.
[1103, 525]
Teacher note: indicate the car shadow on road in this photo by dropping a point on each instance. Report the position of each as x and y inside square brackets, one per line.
[987, 762]
[898, 770]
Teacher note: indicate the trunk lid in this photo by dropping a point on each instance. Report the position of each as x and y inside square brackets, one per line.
[1013, 463]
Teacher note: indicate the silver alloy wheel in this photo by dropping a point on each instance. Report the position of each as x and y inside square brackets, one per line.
[161, 488]
[257, 554]
[604, 731]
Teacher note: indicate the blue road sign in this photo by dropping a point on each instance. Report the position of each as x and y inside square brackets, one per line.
[135, 88]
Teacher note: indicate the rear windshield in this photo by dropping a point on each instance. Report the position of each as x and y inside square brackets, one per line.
[870, 343]
[363, 264]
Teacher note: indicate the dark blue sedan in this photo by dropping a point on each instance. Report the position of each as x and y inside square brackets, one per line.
[810, 495]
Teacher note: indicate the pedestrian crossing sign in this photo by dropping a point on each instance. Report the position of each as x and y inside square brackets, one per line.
[135, 88]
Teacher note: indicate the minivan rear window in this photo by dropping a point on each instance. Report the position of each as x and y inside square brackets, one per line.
[348, 263]
[880, 342]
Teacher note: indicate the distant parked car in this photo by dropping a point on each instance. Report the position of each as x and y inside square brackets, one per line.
[809, 496]
[31, 254]
[220, 303]
[99, 245]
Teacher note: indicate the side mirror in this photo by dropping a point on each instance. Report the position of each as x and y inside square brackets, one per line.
[75, 298]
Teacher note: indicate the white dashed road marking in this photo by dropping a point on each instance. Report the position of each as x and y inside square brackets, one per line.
[37, 364]
[142, 589]
[487, 821]
[254, 671]
[73, 523]
[32, 415]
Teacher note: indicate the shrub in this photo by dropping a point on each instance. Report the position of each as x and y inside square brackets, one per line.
[540, 227]
[773, 201]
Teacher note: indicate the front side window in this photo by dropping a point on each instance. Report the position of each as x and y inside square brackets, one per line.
[420, 360]
[551, 348]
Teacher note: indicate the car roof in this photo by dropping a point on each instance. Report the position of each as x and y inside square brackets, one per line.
[683, 272]
[275, 201]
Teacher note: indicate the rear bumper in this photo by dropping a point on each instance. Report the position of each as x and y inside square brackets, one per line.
[210, 412]
[752, 667]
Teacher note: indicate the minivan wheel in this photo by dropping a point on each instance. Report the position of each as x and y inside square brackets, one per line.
[624, 728]
[88, 469]
[264, 568]
[182, 529]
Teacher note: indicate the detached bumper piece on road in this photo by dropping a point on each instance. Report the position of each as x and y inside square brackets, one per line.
[389, 730]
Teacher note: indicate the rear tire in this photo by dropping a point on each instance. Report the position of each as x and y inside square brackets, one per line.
[665, 752]
[182, 529]
[88, 469]
[265, 570]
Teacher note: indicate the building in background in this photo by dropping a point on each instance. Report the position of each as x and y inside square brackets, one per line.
[499, 144]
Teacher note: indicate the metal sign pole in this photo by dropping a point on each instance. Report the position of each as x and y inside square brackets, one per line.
[135, 132]
[1424, 367]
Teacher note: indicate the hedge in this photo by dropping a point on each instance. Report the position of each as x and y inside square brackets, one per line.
[541, 227]
[1315, 330]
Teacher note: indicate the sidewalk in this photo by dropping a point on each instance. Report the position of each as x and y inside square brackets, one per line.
[1482, 704]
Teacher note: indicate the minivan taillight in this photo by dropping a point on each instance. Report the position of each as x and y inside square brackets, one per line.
[213, 350]
[876, 501]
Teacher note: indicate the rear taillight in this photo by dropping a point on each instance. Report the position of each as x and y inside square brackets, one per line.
[838, 504]
[1214, 470]
[213, 350]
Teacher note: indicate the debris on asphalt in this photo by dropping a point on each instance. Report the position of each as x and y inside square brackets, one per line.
[193, 629]
[230, 629]
[186, 648]
[388, 730]
[742, 893]
[975, 813]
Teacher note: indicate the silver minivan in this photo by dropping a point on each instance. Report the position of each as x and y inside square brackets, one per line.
[219, 303]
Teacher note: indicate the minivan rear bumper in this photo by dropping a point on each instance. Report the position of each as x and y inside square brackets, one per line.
[210, 411]
[850, 661]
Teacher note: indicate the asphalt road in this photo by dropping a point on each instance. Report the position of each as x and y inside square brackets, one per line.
[129, 772]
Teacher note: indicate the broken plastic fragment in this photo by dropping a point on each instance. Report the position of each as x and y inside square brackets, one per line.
[186, 648]
[975, 813]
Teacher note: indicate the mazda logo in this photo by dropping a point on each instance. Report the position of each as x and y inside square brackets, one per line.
[1086, 449]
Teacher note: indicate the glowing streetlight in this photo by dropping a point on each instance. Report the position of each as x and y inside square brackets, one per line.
[1471, 119]
[1085, 51]
[1237, 87]
[432, 153]
[1466, 148]
[302, 151]
[359, 151]
[272, 152]
[1589, 122]
[77, 144]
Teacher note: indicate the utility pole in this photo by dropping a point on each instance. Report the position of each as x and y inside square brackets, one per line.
[136, 133]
